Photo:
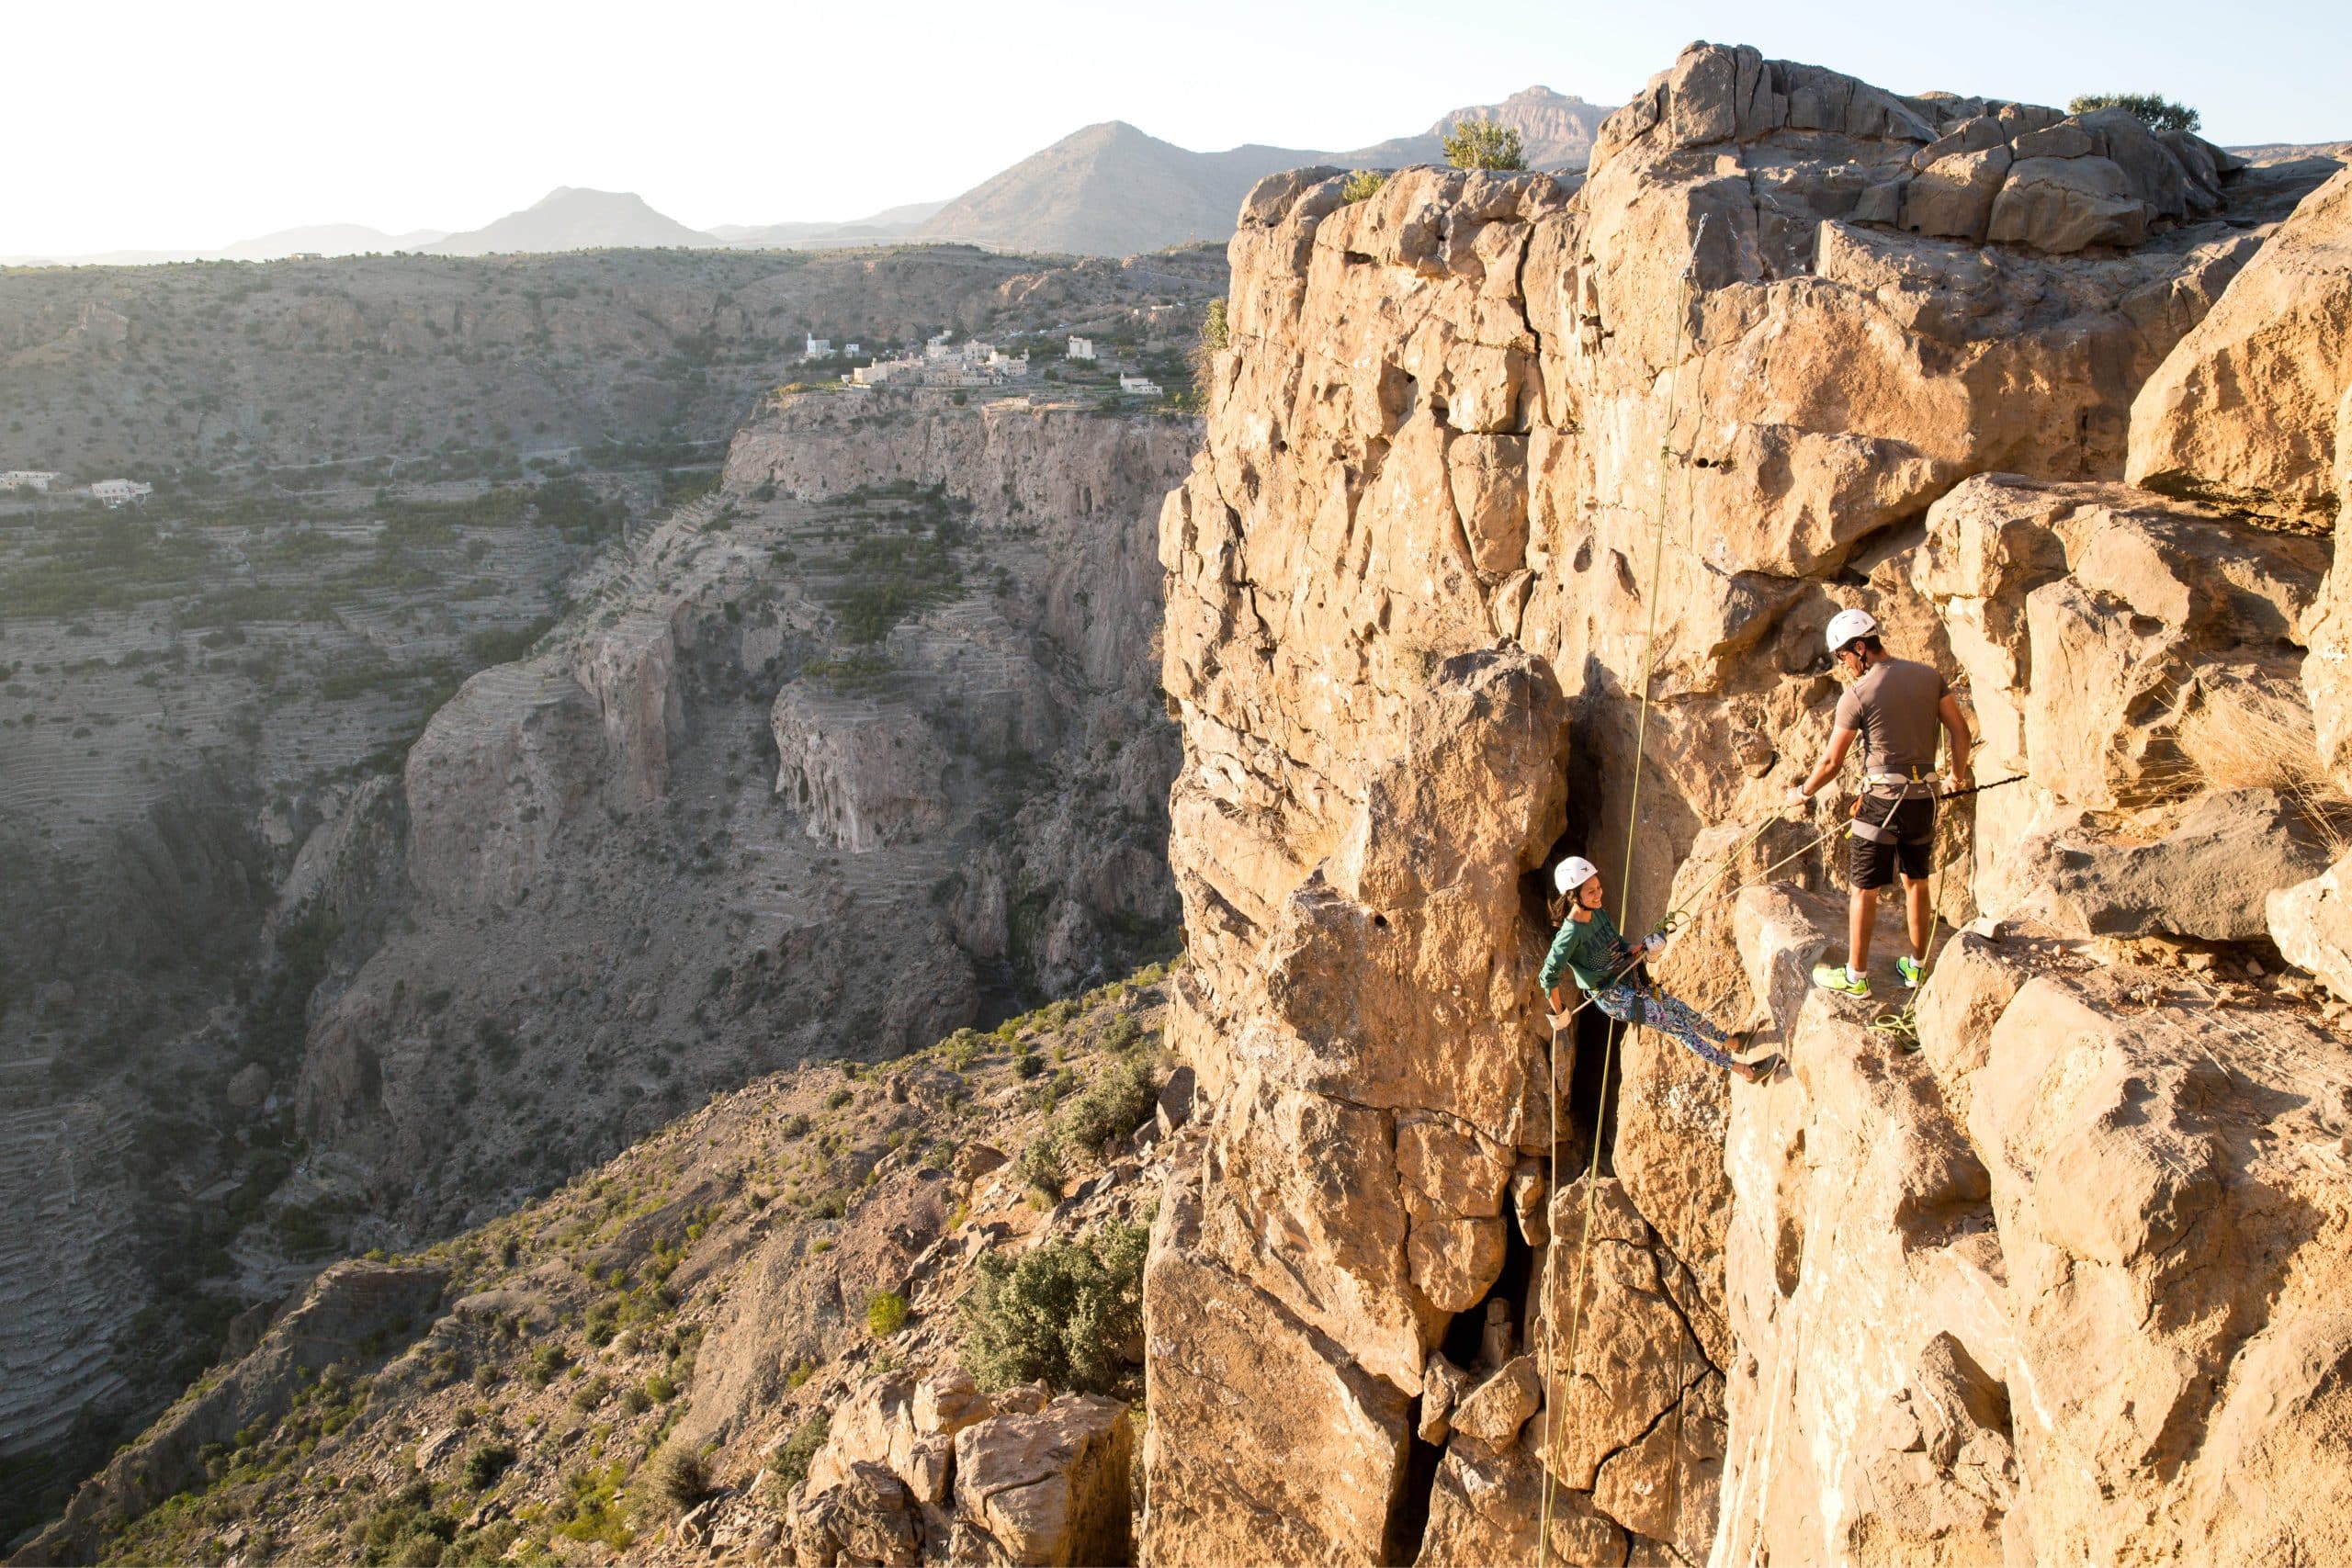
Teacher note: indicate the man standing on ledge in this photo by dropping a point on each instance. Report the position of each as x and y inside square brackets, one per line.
[1896, 705]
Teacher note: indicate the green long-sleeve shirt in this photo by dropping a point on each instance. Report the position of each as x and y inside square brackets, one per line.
[1590, 949]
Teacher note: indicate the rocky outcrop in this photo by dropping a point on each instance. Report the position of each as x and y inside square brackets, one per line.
[351, 1313]
[2089, 1231]
[2251, 413]
[1972, 169]
[1510, 486]
[938, 1467]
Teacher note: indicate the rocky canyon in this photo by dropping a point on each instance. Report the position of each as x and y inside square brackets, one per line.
[391, 838]
[1519, 507]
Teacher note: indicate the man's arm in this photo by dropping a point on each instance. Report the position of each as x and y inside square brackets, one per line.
[1840, 742]
[1956, 735]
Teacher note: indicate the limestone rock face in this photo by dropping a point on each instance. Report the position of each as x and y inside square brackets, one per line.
[1490, 461]
[495, 774]
[2250, 411]
[1325, 1459]
[2060, 1281]
[2211, 876]
[1050, 1488]
[2124, 651]
[861, 779]
[2311, 923]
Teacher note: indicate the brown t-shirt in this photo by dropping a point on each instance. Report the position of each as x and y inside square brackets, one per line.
[1894, 705]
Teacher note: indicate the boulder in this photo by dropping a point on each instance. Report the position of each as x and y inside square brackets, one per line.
[2067, 204]
[249, 1087]
[2212, 877]
[2311, 923]
[863, 1518]
[1954, 195]
[948, 1401]
[1443, 1385]
[874, 1425]
[2248, 409]
[1493, 1411]
[976, 1160]
[1173, 1107]
[1050, 1487]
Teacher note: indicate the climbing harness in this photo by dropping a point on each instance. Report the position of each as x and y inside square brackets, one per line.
[1901, 1025]
[1633, 821]
[1673, 920]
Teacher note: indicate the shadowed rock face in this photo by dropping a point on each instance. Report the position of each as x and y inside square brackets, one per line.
[1492, 457]
[704, 815]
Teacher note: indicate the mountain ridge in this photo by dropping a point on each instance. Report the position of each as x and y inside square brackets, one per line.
[1109, 188]
[574, 217]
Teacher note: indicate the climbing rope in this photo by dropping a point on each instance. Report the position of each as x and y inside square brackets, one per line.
[1632, 818]
[1673, 919]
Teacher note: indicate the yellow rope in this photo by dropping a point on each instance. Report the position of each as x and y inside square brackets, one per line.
[1632, 819]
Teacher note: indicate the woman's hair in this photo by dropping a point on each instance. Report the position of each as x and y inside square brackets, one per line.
[1558, 904]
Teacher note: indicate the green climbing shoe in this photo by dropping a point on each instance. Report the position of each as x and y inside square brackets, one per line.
[1911, 971]
[1832, 977]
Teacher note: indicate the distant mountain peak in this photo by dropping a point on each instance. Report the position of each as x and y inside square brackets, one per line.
[576, 218]
[1111, 188]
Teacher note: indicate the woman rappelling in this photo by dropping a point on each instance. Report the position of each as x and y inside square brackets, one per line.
[1606, 969]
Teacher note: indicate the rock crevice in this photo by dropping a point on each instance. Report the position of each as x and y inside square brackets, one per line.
[1806, 346]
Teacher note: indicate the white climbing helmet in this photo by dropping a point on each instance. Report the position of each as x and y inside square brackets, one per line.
[1847, 624]
[1574, 873]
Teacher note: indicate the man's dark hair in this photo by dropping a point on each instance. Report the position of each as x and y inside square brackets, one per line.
[1868, 644]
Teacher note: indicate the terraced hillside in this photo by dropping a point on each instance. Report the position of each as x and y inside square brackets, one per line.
[435, 366]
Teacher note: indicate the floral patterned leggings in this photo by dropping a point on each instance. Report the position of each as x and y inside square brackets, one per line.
[1667, 1016]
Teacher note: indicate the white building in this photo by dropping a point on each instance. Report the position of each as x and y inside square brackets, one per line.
[1139, 386]
[115, 492]
[27, 478]
[883, 370]
[818, 348]
[852, 351]
[1080, 348]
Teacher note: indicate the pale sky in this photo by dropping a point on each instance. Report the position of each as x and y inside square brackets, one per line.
[190, 126]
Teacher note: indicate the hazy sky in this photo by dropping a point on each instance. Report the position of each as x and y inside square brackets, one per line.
[192, 125]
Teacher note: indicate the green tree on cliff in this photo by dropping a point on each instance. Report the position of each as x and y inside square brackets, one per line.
[2156, 112]
[1483, 144]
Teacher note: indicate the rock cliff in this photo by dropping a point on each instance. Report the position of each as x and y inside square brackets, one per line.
[859, 749]
[1522, 510]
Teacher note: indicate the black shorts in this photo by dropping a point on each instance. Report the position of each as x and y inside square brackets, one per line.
[1909, 836]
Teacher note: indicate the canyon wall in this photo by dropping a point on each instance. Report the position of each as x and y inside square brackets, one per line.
[713, 825]
[1493, 458]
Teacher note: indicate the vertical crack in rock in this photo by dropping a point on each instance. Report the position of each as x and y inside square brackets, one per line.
[1969, 1301]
